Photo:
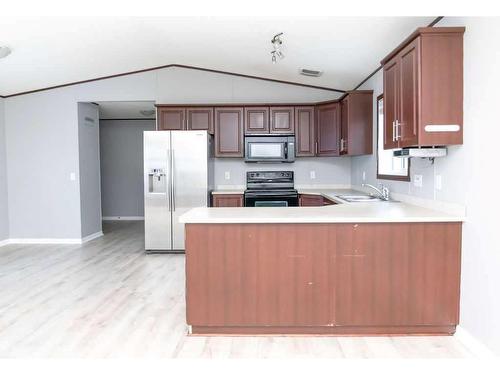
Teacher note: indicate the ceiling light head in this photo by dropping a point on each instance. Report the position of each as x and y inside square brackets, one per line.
[276, 41]
[276, 52]
[4, 51]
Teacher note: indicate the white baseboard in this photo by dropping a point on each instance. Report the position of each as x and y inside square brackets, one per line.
[52, 241]
[91, 237]
[125, 218]
[474, 345]
[34, 241]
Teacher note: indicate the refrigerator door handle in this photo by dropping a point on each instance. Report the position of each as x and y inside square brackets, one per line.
[172, 173]
[169, 180]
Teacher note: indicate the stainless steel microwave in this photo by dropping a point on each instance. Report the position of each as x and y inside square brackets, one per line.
[270, 149]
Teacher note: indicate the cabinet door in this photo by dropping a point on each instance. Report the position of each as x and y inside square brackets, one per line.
[344, 127]
[256, 120]
[305, 135]
[310, 200]
[398, 274]
[357, 129]
[171, 118]
[227, 200]
[391, 102]
[259, 275]
[200, 118]
[328, 129]
[282, 120]
[229, 132]
[408, 111]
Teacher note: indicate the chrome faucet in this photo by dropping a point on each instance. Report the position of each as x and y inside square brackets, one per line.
[383, 192]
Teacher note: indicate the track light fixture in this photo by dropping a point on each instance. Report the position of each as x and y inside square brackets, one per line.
[276, 53]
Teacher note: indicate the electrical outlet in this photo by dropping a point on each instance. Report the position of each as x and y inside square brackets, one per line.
[227, 175]
[364, 176]
[72, 176]
[438, 183]
[312, 175]
[418, 180]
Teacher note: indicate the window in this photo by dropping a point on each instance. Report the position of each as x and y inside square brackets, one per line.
[388, 167]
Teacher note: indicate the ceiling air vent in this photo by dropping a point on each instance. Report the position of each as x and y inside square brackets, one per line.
[310, 72]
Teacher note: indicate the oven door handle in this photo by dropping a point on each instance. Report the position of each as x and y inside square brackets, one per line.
[277, 196]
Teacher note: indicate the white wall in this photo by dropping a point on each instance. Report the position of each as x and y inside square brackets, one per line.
[468, 177]
[42, 136]
[122, 182]
[4, 213]
[89, 167]
[328, 170]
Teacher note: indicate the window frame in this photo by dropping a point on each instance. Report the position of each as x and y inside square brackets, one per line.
[387, 176]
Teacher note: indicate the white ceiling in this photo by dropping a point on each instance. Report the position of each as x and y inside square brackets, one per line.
[52, 51]
[126, 110]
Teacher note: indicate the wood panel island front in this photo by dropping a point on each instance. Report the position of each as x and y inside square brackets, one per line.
[347, 269]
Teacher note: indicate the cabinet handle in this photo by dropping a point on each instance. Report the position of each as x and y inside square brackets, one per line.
[398, 125]
[394, 131]
[316, 147]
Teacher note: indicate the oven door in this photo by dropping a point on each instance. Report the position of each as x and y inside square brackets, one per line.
[271, 200]
[265, 149]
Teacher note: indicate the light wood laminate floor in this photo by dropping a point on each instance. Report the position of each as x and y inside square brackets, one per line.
[107, 298]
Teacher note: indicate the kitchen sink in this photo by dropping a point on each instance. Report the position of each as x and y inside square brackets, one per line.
[359, 198]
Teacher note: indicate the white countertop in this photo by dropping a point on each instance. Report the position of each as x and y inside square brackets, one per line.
[369, 212]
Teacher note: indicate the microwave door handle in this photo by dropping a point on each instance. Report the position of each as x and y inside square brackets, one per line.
[286, 150]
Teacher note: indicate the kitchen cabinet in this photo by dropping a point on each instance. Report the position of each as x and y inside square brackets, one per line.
[200, 118]
[282, 120]
[185, 118]
[260, 275]
[328, 119]
[256, 120]
[401, 274]
[171, 118]
[229, 132]
[356, 131]
[227, 200]
[323, 278]
[423, 89]
[314, 200]
[305, 134]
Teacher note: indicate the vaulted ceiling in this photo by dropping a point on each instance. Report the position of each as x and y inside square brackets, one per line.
[54, 51]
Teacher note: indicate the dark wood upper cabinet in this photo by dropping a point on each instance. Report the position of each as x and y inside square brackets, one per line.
[356, 135]
[407, 120]
[282, 120]
[171, 118]
[423, 89]
[328, 118]
[305, 134]
[391, 103]
[256, 120]
[229, 132]
[200, 118]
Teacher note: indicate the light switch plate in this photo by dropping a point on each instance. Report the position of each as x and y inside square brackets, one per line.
[418, 180]
[227, 175]
[72, 176]
[312, 175]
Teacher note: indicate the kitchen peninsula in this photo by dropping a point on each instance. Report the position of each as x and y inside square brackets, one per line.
[349, 268]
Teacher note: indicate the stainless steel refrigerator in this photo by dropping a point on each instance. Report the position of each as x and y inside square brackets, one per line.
[178, 176]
